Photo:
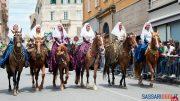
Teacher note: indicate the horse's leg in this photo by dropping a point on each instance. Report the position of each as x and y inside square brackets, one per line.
[95, 73]
[124, 77]
[36, 77]
[9, 78]
[139, 65]
[61, 70]
[109, 81]
[43, 76]
[15, 83]
[55, 72]
[87, 75]
[18, 79]
[32, 75]
[82, 73]
[113, 78]
[152, 73]
[67, 74]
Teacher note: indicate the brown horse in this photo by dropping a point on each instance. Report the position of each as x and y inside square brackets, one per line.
[92, 56]
[38, 56]
[119, 54]
[62, 59]
[151, 56]
[16, 62]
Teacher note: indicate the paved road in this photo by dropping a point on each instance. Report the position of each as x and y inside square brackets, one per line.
[76, 93]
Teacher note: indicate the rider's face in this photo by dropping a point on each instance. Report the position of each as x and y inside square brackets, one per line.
[147, 27]
[88, 27]
[38, 29]
[60, 28]
[120, 27]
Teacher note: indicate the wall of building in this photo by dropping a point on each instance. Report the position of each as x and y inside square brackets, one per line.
[134, 16]
[74, 20]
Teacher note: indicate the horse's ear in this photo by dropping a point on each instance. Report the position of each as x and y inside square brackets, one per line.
[20, 31]
[12, 31]
[96, 33]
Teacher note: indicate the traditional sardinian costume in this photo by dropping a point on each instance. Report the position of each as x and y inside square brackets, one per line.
[9, 49]
[119, 33]
[145, 40]
[59, 38]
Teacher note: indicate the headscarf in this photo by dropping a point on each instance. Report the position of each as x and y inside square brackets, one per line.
[146, 35]
[88, 35]
[34, 33]
[121, 34]
[58, 34]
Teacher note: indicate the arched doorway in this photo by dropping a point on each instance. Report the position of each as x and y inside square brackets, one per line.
[106, 28]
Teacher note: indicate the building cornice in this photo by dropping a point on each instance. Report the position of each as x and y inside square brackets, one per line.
[101, 13]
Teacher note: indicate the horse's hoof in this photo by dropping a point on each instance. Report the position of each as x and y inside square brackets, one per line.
[54, 85]
[95, 87]
[37, 89]
[18, 91]
[33, 86]
[87, 85]
[82, 85]
[140, 83]
[40, 88]
[61, 87]
[14, 93]
[151, 84]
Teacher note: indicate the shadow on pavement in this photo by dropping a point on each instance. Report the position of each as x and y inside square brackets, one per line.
[112, 86]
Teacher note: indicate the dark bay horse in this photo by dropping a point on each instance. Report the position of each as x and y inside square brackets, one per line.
[92, 56]
[16, 62]
[118, 53]
[62, 59]
[38, 56]
[151, 58]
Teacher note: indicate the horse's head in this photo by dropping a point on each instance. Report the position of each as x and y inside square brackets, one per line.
[17, 38]
[155, 40]
[98, 42]
[62, 53]
[130, 41]
[39, 44]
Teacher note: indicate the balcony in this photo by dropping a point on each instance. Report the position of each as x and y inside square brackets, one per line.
[65, 22]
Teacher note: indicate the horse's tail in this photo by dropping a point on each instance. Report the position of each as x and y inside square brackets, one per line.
[137, 69]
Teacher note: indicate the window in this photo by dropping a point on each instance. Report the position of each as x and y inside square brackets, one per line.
[79, 14]
[78, 1]
[53, 2]
[65, 15]
[105, 0]
[52, 15]
[65, 1]
[96, 3]
[88, 6]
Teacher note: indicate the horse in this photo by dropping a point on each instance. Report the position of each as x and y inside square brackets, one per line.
[151, 58]
[16, 62]
[38, 56]
[86, 59]
[62, 59]
[118, 53]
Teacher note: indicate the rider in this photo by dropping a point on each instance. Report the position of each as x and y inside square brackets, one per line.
[146, 37]
[59, 36]
[87, 34]
[119, 31]
[9, 48]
